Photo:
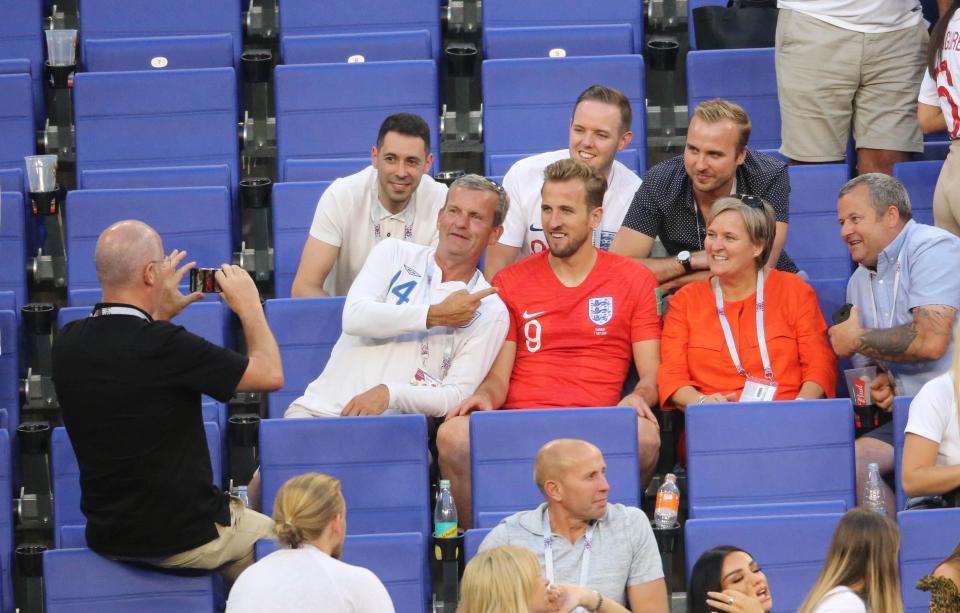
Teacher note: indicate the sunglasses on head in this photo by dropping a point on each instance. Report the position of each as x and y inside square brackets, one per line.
[754, 202]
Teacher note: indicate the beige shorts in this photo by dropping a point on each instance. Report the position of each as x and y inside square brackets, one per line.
[298, 411]
[829, 77]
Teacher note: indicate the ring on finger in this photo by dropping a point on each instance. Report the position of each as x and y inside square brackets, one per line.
[730, 601]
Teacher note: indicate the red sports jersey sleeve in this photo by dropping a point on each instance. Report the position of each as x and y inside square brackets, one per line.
[574, 344]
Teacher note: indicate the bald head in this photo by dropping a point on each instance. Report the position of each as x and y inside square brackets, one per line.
[558, 457]
[123, 251]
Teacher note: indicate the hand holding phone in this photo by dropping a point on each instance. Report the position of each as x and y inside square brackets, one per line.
[842, 314]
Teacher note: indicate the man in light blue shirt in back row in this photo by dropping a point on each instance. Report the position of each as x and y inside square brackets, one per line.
[905, 295]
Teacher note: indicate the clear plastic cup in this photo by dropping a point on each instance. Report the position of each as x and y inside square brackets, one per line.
[61, 47]
[41, 172]
[858, 384]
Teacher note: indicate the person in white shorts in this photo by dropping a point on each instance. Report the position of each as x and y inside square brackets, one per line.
[421, 326]
[938, 111]
[599, 129]
[391, 198]
[307, 575]
[850, 61]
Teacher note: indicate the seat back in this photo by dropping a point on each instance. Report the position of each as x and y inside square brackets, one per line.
[301, 17]
[539, 13]
[314, 169]
[6, 522]
[397, 559]
[901, 413]
[158, 53]
[194, 219]
[382, 463]
[528, 103]
[926, 538]
[471, 542]
[81, 580]
[791, 549]
[172, 176]
[814, 240]
[13, 246]
[294, 205]
[920, 179]
[313, 124]
[104, 19]
[165, 118]
[17, 127]
[306, 330]
[22, 40]
[832, 294]
[769, 452]
[504, 444]
[10, 368]
[549, 41]
[371, 46]
[755, 88]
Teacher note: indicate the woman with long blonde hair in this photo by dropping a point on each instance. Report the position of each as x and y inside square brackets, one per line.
[860, 573]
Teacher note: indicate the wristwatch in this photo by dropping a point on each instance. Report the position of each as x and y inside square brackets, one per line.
[683, 258]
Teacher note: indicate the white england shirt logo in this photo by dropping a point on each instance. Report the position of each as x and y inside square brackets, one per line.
[600, 310]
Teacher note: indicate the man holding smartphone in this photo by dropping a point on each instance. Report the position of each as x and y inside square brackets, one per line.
[129, 384]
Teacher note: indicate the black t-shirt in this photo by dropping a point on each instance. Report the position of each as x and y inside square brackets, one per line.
[664, 205]
[129, 389]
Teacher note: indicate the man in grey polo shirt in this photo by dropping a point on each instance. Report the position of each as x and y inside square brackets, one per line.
[905, 295]
[609, 548]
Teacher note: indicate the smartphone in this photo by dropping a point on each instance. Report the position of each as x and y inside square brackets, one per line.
[842, 314]
[203, 280]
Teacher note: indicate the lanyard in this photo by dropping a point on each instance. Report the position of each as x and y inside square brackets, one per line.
[548, 551]
[447, 359]
[896, 289]
[119, 310]
[728, 335]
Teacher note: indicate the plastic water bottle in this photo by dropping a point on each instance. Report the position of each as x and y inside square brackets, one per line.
[874, 497]
[668, 503]
[445, 513]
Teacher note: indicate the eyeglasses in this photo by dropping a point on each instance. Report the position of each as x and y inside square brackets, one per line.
[754, 202]
[494, 185]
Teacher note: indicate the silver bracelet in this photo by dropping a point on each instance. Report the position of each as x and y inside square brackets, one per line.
[701, 399]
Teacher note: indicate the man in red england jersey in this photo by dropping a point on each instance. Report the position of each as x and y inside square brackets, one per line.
[577, 316]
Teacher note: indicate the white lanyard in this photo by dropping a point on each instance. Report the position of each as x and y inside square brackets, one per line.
[548, 551]
[728, 335]
[893, 304]
[119, 310]
[447, 359]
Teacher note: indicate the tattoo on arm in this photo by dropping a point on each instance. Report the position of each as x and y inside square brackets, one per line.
[924, 338]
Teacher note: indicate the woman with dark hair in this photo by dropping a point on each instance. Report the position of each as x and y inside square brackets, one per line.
[937, 111]
[944, 585]
[728, 579]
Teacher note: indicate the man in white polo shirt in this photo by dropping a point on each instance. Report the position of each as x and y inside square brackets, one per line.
[392, 198]
[421, 326]
[600, 128]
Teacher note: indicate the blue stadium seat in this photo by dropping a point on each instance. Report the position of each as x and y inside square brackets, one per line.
[17, 127]
[792, 451]
[528, 103]
[160, 52]
[306, 330]
[538, 13]
[8, 300]
[755, 88]
[313, 169]
[935, 146]
[301, 17]
[6, 522]
[195, 219]
[294, 205]
[22, 40]
[171, 176]
[81, 580]
[211, 320]
[382, 463]
[791, 549]
[548, 41]
[695, 4]
[813, 238]
[13, 246]
[313, 124]
[10, 362]
[396, 559]
[66, 479]
[500, 163]
[901, 413]
[105, 19]
[155, 119]
[504, 444]
[471, 542]
[926, 538]
[920, 179]
[371, 46]
[832, 294]
[777, 508]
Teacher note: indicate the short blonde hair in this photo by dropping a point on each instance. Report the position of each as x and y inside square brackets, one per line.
[759, 220]
[499, 580]
[712, 111]
[594, 183]
[304, 506]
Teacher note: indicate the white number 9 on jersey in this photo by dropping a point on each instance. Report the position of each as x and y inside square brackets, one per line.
[532, 331]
